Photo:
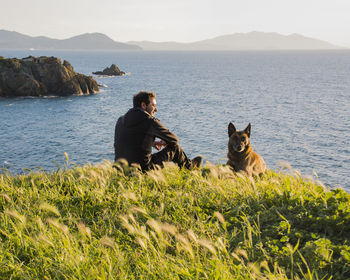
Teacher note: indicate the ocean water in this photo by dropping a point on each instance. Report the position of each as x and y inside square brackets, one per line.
[298, 104]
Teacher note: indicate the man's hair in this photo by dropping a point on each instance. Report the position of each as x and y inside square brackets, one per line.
[142, 96]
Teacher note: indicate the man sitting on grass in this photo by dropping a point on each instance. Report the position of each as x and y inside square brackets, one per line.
[135, 135]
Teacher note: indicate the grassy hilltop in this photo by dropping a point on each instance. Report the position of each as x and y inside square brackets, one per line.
[97, 222]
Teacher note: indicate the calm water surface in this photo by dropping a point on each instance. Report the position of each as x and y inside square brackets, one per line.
[297, 102]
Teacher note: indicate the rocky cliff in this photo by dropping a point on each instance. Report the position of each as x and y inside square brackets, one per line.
[42, 76]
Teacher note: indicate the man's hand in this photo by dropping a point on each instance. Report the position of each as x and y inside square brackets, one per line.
[159, 144]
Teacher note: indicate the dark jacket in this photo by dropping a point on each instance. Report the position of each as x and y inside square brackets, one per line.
[134, 135]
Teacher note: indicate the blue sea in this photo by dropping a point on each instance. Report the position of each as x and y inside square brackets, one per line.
[298, 103]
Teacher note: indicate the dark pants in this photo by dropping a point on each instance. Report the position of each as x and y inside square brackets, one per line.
[172, 153]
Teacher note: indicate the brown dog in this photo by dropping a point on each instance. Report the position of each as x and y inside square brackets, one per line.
[241, 156]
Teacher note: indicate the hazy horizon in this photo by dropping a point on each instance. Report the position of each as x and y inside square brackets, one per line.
[180, 21]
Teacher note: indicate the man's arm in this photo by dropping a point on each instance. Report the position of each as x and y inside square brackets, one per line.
[158, 130]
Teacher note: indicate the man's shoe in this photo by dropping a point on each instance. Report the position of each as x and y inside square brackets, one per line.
[196, 162]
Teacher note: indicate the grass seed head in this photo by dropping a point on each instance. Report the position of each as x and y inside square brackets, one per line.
[220, 217]
[44, 239]
[207, 244]
[157, 176]
[107, 242]
[16, 215]
[6, 197]
[241, 252]
[192, 235]
[66, 156]
[49, 208]
[132, 218]
[84, 230]
[126, 224]
[254, 270]
[285, 165]
[130, 195]
[138, 210]
[169, 228]
[155, 225]
[141, 243]
[179, 237]
[58, 225]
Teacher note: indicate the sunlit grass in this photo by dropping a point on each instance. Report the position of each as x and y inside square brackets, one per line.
[100, 222]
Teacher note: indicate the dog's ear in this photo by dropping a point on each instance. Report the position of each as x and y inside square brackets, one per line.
[247, 130]
[231, 129]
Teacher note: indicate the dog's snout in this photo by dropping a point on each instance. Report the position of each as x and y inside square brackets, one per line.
[238, 147]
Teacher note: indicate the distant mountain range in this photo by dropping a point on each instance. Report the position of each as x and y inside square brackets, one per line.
[97, 41]
[243, 41]
[88, 41]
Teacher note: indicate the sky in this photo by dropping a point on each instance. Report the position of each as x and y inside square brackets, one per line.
[177, 20]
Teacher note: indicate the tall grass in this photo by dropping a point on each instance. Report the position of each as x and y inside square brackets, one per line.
[100, 222]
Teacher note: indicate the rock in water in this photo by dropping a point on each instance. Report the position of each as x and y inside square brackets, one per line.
[110, 71]
[42, 76]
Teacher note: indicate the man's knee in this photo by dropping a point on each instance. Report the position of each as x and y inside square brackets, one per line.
[173, 147]
[175, 150]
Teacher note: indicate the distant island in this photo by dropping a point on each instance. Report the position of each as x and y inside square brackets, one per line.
[232, 42]
[113, 70]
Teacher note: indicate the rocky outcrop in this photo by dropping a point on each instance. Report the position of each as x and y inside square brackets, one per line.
[42, 76]
[110, 71]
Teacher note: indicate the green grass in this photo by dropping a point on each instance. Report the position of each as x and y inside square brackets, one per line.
[98, 222]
